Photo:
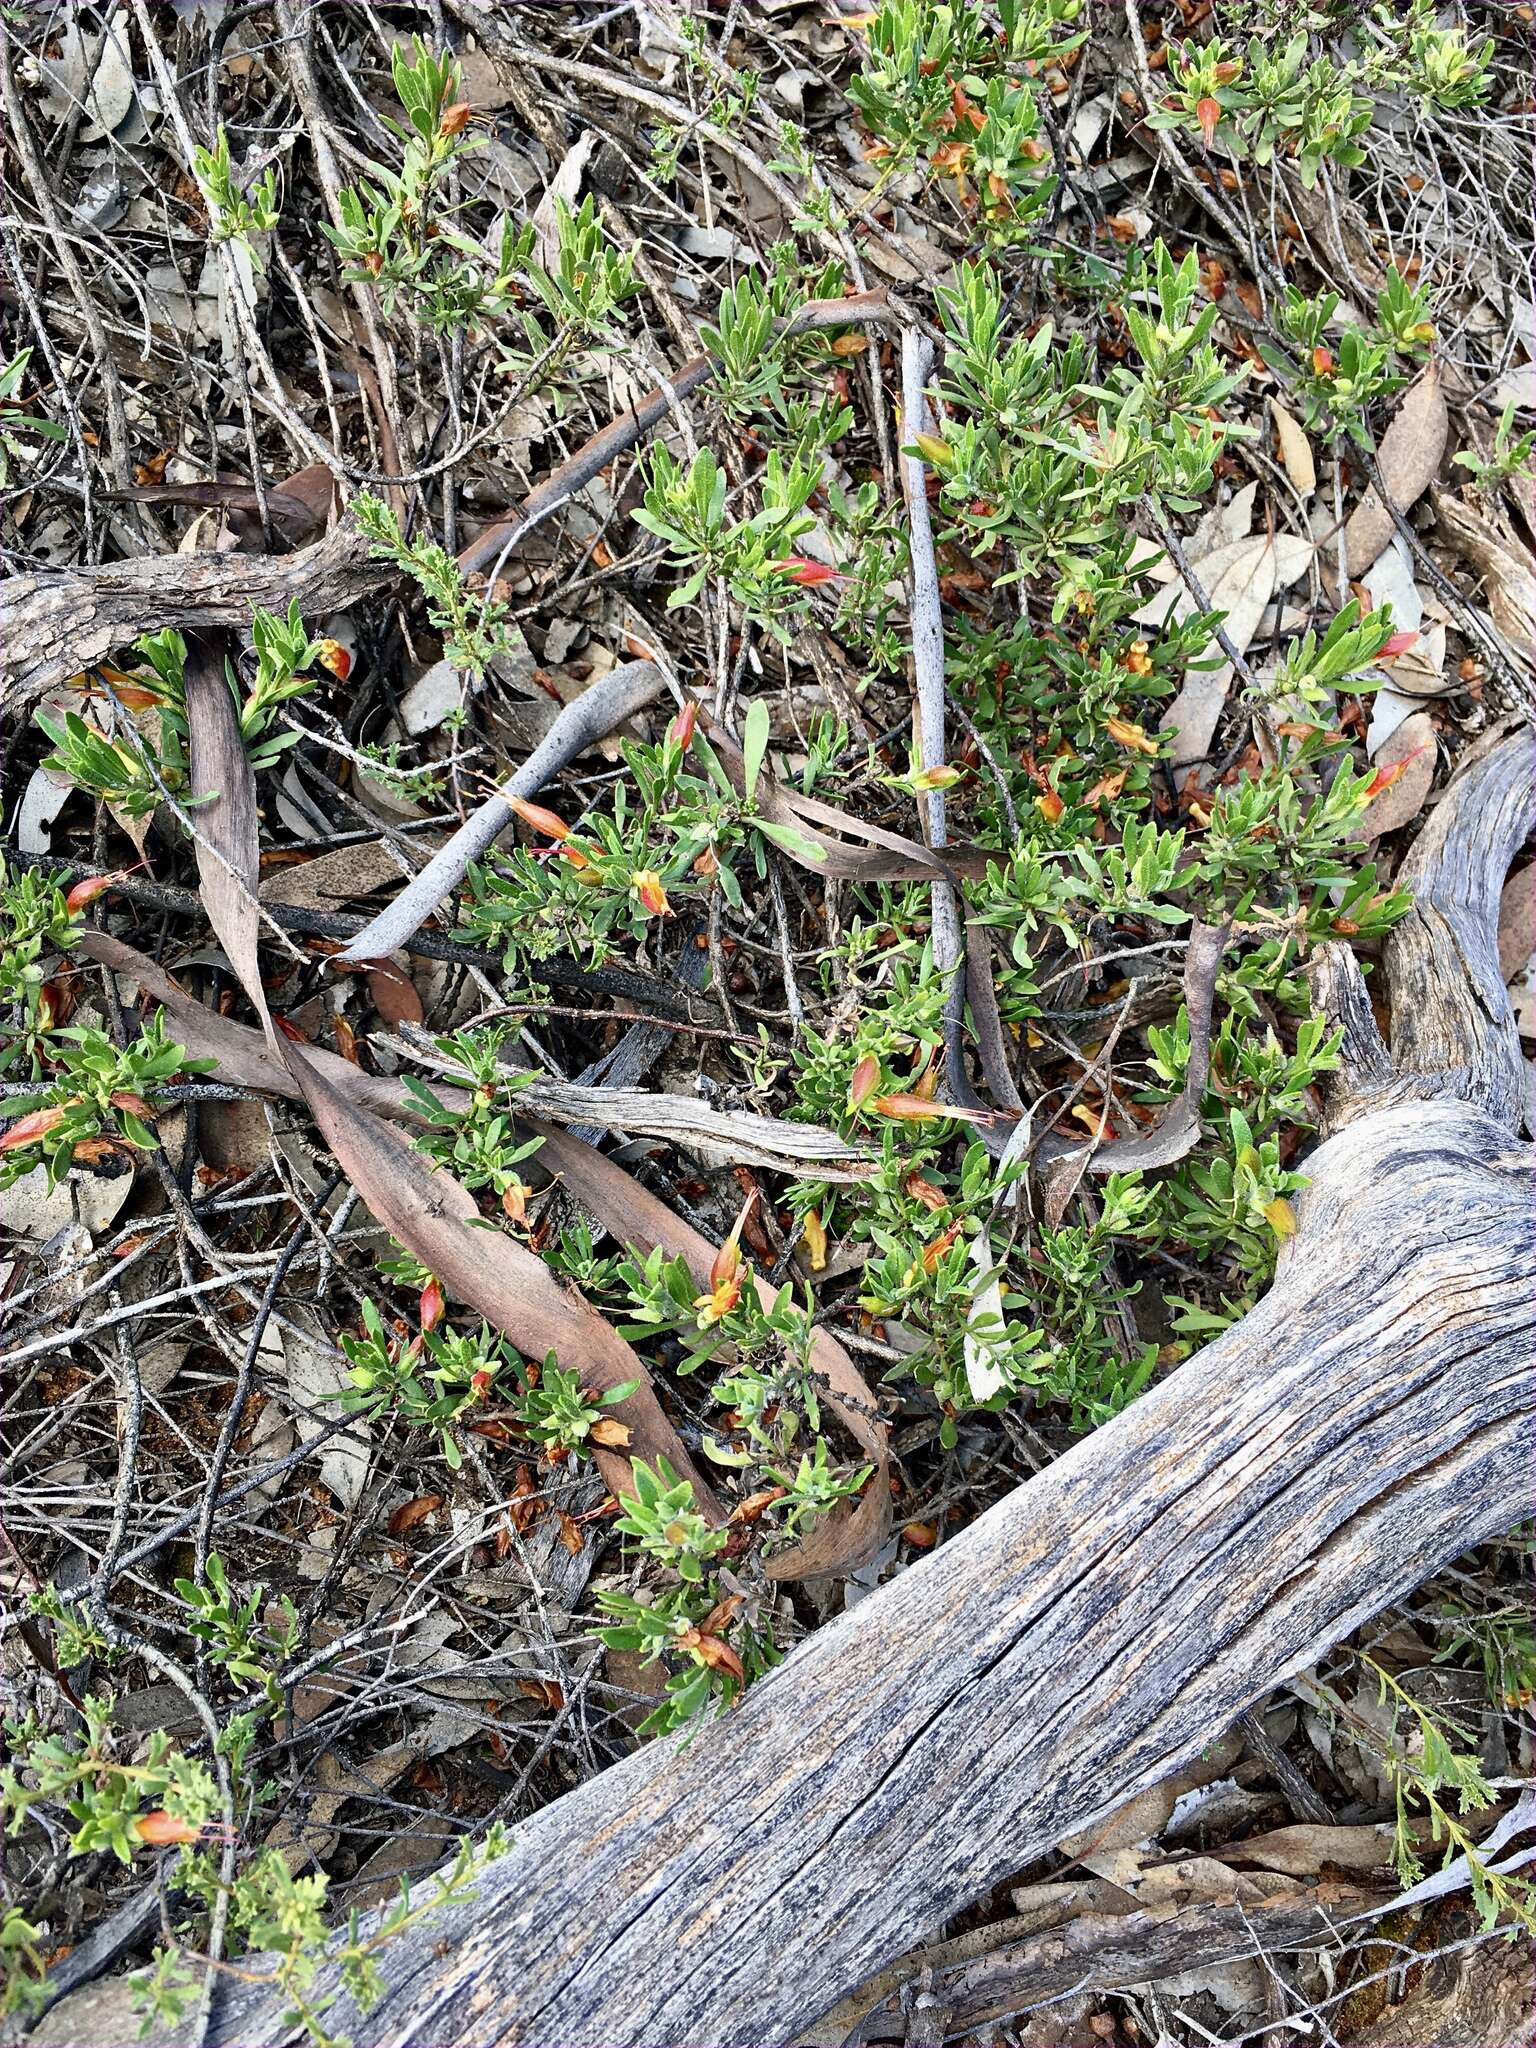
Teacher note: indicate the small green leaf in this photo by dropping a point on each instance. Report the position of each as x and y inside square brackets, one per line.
[754, 744]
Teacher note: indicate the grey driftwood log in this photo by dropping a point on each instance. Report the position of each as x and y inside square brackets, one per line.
[1372, 1418]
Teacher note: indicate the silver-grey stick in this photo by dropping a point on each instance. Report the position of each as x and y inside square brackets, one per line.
[613, 698]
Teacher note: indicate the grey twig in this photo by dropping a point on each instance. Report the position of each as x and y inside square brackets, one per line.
[594, 714]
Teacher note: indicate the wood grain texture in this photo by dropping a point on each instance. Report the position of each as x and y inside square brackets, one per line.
[52, 626]
[1371, 1419]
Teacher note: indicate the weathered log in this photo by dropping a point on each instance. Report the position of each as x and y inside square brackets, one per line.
[52, 626]
[1368, 1421]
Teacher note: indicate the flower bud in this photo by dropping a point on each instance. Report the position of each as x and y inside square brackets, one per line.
[539, 818]
[865, 1080]
[28, 1130]
[934, 451]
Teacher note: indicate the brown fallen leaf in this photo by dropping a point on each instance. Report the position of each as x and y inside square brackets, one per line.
[245, 1059]
[1295, 450]
[394, 995]
[1506, 568]
[1302, 1850]
[226, 820]
[405, 1517]
[439, 1223]
[1177, 1129]
[433, 1216]
[332, 879]
[298, 507]
[1517, 923]
[1410, 454]
[1250, 574]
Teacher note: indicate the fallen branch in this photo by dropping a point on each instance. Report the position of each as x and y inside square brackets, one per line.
[52, 627]
[589, 717]
[1368, 1422]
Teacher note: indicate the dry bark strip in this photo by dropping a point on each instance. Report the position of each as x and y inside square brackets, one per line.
[1113, 1951]
[1371, 1419]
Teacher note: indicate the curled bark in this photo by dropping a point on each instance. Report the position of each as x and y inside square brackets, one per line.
[1371, 1419]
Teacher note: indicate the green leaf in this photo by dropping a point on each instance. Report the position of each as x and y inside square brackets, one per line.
[791, 840]
[754, 744]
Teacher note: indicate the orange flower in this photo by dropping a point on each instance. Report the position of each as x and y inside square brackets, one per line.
[455, 119]
[1138, 658]
[161, 1829]
[652, 897]
[540, 819]
[800, 569]
[1384, 777]
[950, 160]
[1208, 114]
[332, 655]
[514, 1201]
[1127, 735]
[131, 695]
[1280, 1217]
[1049, 805]
[905, 1108]
[1322, 361]
[727, 1275]
[815, 1239]
[1106, 789]
[924, 1191]
[932, 1253]
[432, 1305]
[710, 1650]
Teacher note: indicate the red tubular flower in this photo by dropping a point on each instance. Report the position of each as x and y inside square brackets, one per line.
[86, 892]
[865, 1080]
[539, 818]
[800, 569]
[28, 1129]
